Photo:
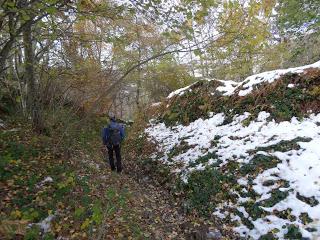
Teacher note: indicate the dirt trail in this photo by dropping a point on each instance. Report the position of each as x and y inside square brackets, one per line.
[148, 212]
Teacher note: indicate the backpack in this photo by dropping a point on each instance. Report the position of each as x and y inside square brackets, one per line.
[114, 134]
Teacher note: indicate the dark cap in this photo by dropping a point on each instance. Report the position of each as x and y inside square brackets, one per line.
[112, 116]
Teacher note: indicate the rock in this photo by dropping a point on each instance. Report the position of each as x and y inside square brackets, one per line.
[2, 125]
[145, 179]
[214, 234]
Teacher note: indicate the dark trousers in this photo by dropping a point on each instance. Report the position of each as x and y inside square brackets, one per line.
[115, 149]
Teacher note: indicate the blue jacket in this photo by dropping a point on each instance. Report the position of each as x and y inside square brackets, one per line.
[106, 134]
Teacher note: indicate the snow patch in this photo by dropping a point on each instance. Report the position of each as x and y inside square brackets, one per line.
[179, 91]
[47, 179]
[46, 223]
[156, 104]
[228, 87]
[236, 142]
[44, 181]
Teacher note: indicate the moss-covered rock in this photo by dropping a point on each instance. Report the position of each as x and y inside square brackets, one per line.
[312, 201]
[276, 196]
[254, 210]
[285, 214]
[259, 163]
[284, 146]
[268, 236]
[293, 232]
[305, 219]
[204, 159]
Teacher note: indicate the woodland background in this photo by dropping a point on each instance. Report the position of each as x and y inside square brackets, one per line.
[65, 64]
[120, 56]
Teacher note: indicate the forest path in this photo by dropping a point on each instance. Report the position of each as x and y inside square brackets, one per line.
[142, 210]
[74, 195]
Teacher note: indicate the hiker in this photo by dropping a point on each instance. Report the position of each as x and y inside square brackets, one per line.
[112, 136]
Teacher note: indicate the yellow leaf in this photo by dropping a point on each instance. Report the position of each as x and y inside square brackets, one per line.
[85, 224]
[16, 214]
[58, 228]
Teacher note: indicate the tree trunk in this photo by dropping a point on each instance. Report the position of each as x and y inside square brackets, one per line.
[32, 94]
[18, 69]
[138, 93]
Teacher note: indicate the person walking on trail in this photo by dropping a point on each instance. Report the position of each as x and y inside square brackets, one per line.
[112, 136]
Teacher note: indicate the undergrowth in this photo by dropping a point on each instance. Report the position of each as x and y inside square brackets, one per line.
[281, 102]
[41, 176]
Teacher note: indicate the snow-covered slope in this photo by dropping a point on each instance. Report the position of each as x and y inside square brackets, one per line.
[264, 151]
[245, 87]
[251, 82]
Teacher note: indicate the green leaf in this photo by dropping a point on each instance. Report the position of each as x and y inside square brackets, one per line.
[25, 17]
[197, 52]
[51, 10]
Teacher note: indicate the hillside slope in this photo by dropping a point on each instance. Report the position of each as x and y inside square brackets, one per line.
[246, 152]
